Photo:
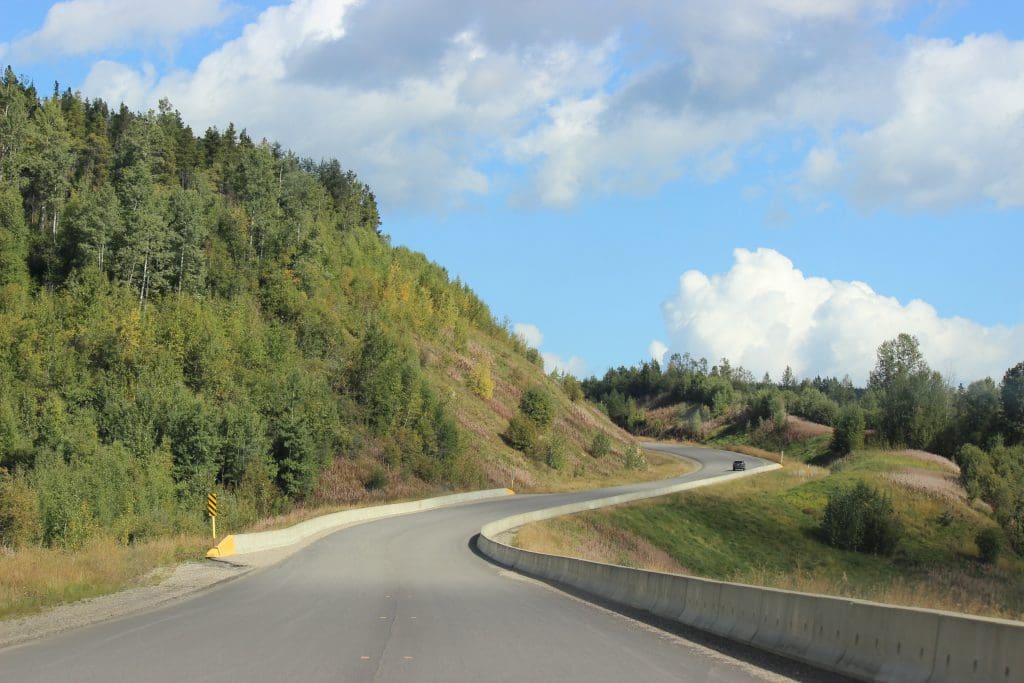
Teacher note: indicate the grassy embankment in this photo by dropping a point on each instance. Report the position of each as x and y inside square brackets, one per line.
[32, 579]
[763, 531]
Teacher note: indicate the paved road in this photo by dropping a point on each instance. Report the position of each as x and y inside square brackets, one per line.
[400, 599]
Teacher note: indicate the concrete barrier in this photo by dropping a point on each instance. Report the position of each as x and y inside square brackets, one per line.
[240, 544]
[864, 640]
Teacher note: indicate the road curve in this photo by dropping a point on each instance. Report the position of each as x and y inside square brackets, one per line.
[399, 599]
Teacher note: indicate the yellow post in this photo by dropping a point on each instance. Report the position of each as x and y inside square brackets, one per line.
[211, 510]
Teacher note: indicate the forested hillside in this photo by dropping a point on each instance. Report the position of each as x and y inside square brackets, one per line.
[182, 313]
[906, 404]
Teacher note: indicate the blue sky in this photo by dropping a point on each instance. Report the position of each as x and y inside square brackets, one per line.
[776, 181]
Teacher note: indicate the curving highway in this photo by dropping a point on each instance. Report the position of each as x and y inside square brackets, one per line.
[399, 599]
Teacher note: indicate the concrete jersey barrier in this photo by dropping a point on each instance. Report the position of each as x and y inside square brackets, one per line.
[861, 639]
[240, 544]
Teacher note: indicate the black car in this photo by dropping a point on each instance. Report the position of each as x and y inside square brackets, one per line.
[738, 465]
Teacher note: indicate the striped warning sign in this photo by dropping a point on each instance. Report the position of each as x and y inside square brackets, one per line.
[211, 504]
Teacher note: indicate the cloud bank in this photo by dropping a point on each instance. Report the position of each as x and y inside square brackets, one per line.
[765, 314]
[551, 103]
[80, 27]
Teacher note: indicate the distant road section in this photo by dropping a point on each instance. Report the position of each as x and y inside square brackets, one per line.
[399, 599]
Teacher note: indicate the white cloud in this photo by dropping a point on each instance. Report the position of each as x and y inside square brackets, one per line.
[530, 334]
[956, 133]
[533, 337]
[432, 106]
[822, 166]
[574, 365]
[657, 350]
[79, 27]
[765, 314]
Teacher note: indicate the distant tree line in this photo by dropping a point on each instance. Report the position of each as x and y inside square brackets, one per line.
[905, 404]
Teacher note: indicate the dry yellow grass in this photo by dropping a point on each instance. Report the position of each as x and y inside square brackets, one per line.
[659, 466]
[32, 579]
[588, 539]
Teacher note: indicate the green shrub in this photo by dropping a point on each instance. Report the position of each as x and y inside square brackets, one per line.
[555, 452]
[635, 459]
[521, 434]
[600, 445]
[815, 406]
[19, 512]
[767, 406]
[848, 434]
[572, 388]
[861, 519]
[990, 544]
[538, 406]
[480, 381]
[376, 479]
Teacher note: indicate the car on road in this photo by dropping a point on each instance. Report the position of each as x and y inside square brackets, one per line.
[738, 465]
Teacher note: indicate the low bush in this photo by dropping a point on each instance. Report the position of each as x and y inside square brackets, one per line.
[521, 434]
[538, 406]
[861, 519]
[555, 452]
[990, 544]
[635, 459]
[376, 479]
[572, 388]
[600, 445]
[480, 381]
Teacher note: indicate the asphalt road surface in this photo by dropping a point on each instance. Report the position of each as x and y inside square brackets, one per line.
[400, 599]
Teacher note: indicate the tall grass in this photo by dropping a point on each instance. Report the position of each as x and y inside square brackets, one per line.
[34, 578]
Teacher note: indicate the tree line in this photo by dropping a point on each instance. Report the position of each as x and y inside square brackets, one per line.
[904, 404]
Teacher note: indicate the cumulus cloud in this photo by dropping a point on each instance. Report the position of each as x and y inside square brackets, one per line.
[765, 314]
[657, 350]
[533, 337]
[436, 105]
[574, 365]
[956, 132]
[530, 334]
[79, 27]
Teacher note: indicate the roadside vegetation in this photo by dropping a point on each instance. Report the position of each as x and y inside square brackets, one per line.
[906, 404]
[771, 530]
[907, 491]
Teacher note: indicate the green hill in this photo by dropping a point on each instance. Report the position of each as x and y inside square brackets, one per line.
[185, 313]
[720, 532]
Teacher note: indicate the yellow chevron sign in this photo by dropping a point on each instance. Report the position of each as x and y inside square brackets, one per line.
[211, 504]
